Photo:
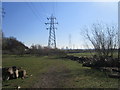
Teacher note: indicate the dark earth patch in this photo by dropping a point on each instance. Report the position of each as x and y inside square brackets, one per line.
[56, 77]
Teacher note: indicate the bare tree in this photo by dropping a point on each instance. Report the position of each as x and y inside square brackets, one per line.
[103, 38]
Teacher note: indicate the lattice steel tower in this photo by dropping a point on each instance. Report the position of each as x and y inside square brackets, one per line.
[52, 37]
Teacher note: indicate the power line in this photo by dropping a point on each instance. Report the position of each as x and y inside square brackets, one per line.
[34, 12]
[44, 14]
[53, 8]
[54, 5]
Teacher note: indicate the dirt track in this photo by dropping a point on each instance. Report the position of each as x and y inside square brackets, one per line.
[56, 77]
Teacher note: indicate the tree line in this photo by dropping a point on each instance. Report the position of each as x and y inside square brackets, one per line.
[10, 45]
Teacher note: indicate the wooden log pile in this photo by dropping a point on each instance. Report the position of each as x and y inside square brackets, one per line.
[13, 72]
[103, 64]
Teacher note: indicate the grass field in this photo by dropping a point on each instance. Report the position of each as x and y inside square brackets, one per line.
[53, 72]
[88, 54]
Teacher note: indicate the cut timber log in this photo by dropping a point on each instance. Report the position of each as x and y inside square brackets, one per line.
[116, 70]
[114, 75]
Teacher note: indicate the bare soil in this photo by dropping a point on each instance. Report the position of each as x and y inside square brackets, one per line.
[55, 77]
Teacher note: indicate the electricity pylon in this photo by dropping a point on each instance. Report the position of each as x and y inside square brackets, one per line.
[52, 37]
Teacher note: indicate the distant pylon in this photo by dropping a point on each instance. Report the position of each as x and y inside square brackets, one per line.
[52, 37]
[69, 41]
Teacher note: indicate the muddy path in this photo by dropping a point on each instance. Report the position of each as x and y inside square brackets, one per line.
[55, 77]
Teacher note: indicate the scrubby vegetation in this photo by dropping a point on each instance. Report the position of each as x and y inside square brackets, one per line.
[12, 46]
